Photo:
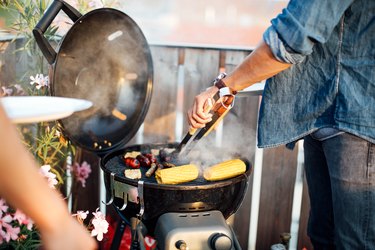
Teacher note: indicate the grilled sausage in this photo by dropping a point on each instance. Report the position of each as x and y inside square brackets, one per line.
[132, 162]
[151, 157]
[151, 170]
[144, 161]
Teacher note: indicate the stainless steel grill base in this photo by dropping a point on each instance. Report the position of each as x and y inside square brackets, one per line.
[199, 231]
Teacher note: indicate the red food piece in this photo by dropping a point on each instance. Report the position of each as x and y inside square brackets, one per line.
[144, 161]
[132, 162]
[151, 157]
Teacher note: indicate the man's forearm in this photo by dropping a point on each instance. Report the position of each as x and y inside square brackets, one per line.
[258, 66]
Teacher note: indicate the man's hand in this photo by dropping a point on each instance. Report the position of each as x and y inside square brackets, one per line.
[197, 117]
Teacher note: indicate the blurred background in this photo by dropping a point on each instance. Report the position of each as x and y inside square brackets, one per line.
[217, 22]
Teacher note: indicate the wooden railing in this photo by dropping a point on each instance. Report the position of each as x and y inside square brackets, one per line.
[276, 200]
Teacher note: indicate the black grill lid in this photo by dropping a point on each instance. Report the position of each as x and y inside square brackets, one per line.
[104, 58]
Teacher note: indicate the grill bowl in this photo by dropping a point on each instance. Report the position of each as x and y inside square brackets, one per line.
[195, 196]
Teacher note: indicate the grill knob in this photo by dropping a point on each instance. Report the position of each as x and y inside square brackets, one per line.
[220, 241]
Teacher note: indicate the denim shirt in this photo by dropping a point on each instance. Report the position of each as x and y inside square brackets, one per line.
[331, 44]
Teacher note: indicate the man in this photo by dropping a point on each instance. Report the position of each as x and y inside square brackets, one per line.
[321, 57]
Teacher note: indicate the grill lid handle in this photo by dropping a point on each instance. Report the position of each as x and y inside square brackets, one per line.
[39, 30]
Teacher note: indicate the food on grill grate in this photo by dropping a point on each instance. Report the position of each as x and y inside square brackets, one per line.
[225, 170]
[155, 151]
[151, 157]
[144, 161]
[132, 154]
[177, 175]
[168, 165]
[133, 173]
[153, 168]
[132, 162]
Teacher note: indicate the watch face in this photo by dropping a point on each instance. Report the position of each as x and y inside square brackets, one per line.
[222, 75]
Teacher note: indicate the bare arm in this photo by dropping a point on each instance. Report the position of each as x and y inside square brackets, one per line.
[23, 187]
[257, 66]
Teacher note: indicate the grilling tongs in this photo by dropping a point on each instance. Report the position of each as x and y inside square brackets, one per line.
[224, 101]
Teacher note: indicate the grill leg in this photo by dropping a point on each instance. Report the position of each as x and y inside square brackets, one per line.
[118, 235]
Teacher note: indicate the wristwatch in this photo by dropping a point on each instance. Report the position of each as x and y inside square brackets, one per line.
[223, 88]
[218, 82]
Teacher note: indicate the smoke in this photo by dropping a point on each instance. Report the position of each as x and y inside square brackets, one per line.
[236, 140]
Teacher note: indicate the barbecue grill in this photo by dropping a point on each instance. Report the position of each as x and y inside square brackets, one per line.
[105, 58]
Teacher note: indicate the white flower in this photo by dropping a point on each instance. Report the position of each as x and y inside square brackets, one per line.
[98, 215]
[81, 215]
[39, 80]
[100, 225]
[100, 228]
[45, 171]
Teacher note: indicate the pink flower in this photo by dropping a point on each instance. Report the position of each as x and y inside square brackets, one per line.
[2, 236]
[3, 207]
[23, 219]
[45, 171]
[6, 91]
[11, 233]
[39, 80]
[4, 223]
[82, 172]
[19, 89]
[100, 225]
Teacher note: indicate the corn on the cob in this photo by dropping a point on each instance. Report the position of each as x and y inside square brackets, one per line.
[177, 175]
[225, 170]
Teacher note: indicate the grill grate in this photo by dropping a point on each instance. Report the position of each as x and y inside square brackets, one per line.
[116, 165]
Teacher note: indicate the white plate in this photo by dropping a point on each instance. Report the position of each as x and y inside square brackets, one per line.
[30, 109]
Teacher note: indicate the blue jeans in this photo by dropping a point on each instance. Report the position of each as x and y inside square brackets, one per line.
[340, 174]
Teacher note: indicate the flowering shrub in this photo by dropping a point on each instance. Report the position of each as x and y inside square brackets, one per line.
[16, 227]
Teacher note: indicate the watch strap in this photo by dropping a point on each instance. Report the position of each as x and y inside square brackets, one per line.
[220, 84]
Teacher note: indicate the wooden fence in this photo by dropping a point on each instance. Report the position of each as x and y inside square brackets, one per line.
[276, 187]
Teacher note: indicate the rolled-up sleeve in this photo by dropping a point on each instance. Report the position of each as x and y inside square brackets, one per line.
[293, 33]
